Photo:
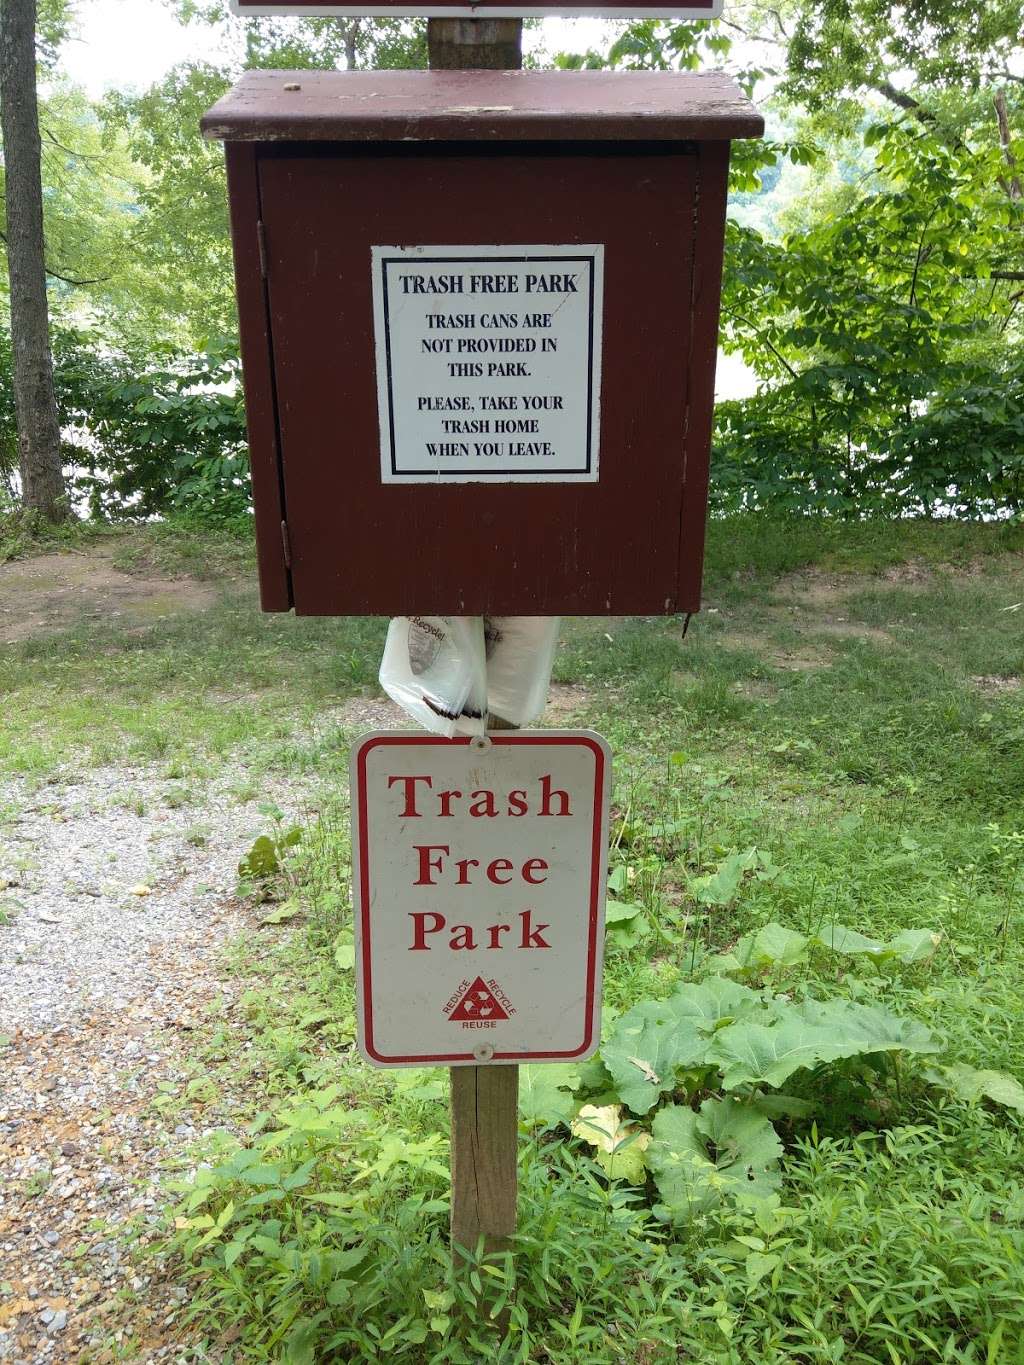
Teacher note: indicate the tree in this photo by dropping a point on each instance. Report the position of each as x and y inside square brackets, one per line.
[838, 48]
[881, 310]
[181, 287]
[885, 332]
[39, 449]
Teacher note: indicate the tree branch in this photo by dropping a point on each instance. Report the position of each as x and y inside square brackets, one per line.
[68, 279]
[1011, 184]
[902, 100]
[1014, 300]
[70, 151]
[912, 106]
[921, 255]
[764, 340]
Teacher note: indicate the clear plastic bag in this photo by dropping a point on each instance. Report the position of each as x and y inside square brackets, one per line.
[434, 668]
[520, 654]
[449, 672]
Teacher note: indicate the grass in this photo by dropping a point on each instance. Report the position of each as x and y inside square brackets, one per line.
[850, 706]
[177, 546]
[24, 534]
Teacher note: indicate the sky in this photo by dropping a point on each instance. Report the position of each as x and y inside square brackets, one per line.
[128, 43]
[135, 42]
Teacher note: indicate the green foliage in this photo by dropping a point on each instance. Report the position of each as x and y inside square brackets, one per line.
[180, 237]
[24, 533]
[545, 1094]
[885, 327]
[773, 945]
[267, 859]
[802, 1036]
[316, 1239]
[619, 1144]
[155, 434]
[896, 381]
[729, 1037]
[838, 48]
[183, 289]
[722, 886]
[724, 1150]
[89, 195]
[650, 1044]
[170, 437]
[971, 1084]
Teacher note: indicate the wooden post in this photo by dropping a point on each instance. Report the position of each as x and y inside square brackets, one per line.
[475, 44]
[485, 1140]
[485, 1099]
[485, 1127]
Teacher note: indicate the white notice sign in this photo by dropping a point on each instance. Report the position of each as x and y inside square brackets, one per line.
[488, 362]
[479, 872]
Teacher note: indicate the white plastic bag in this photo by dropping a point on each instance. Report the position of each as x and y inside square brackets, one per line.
[449, 672]
[434, 668]
[520, 655]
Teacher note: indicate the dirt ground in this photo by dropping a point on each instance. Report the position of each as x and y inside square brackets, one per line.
[57, 591]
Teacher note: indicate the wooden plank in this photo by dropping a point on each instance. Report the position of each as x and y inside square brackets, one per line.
[537, 549]
[485, 1128]
[410, 106]
[484, 1146]
[259, 382]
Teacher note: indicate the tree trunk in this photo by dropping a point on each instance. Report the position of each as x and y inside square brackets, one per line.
[35, 407]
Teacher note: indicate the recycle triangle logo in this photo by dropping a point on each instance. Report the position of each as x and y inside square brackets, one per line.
[477, 1003]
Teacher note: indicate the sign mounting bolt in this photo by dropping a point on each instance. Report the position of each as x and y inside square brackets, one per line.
[483, 1052]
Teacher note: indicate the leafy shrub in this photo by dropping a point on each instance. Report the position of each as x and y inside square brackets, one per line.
[146, 434]
[965, 451]
[886, 341]
[322, 1234]
[155, 434]
[323, 1238]
[953, 446]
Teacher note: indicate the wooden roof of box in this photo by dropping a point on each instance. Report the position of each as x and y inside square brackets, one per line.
[470, 106]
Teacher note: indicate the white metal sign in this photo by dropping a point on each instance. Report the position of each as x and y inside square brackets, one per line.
[398, 9]
[479, 874]
[488, 362]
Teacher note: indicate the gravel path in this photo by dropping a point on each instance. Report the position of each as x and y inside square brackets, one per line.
[103, 871]
[117, 886]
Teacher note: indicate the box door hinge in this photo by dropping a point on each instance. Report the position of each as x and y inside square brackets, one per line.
[261, 241]
[286, 545]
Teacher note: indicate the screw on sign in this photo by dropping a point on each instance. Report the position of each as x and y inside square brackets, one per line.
[479, 882]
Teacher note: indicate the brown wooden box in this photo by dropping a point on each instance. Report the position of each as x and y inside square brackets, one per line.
[325, 166]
